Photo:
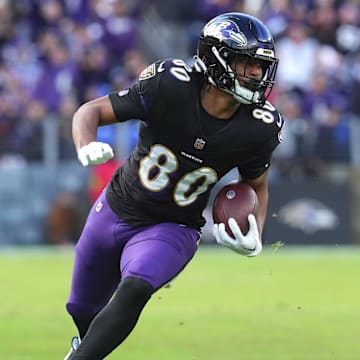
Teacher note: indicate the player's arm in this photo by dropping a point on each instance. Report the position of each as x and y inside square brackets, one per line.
[115, 107]
[260, 185]
[88, 118]
[249, 244]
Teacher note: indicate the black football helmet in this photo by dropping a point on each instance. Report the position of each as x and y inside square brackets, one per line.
[232, 35]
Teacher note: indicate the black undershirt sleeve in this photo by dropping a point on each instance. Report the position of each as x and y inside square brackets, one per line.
[128, 104]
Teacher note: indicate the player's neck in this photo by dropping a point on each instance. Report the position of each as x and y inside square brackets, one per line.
[218, 103]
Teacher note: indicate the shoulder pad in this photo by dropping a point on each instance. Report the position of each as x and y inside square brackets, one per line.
[268, 114]
[177, 68]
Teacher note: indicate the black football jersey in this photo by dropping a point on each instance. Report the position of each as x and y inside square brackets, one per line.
[183, 151]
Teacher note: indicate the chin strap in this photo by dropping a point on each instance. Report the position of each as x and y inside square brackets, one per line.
[244, 95]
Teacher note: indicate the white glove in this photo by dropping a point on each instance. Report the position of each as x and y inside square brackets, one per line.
[248, 245]
[95, 153]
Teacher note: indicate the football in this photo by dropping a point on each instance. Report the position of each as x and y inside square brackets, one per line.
[236, 200]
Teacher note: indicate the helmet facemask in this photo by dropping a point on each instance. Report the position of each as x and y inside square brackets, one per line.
[222, 73]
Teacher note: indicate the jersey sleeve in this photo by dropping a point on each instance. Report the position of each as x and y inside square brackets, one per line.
[146, 98]
[163, 84]
[127, 104]
[261, 160]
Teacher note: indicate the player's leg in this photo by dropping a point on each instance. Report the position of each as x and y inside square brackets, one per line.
[115, 321]
[96, 271]
[159, 253]
[150, 259]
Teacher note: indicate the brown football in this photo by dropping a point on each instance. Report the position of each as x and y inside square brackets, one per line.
[236, 200]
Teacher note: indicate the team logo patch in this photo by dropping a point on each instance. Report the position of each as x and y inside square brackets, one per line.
[99, 206]
[199, 143]
[226, 29]
[148, 72]
[123, 92]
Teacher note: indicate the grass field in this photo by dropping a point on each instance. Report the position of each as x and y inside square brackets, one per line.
[291, 304]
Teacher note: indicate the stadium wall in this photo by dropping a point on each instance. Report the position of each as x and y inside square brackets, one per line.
[306, 213]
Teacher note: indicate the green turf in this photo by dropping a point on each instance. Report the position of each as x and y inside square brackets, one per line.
[283, 305]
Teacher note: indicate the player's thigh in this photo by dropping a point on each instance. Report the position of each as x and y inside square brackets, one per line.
[159, 252]
[96, 271]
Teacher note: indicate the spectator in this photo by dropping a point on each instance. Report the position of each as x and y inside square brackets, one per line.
[323, 23]
[56, 52]
[325, 106]
[294, 158]
[63, 221]
[296, 45]
[348, 31]
[27, 139]
[58, 75]
[277, 14]
[93, 69]
[118, 31]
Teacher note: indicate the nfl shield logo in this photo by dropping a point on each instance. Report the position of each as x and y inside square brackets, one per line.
[99, 206]
[199, 144]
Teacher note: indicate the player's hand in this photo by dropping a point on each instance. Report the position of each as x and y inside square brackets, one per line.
[248, 244]
[95, 153]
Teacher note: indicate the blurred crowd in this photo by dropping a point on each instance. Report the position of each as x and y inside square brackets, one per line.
[57, 54]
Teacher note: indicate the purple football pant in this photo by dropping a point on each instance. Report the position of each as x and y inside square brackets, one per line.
[110, 250]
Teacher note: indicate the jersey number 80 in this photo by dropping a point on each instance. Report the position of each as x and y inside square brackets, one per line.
[155, 174]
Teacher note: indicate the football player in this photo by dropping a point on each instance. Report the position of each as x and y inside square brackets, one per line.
[197, 123]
